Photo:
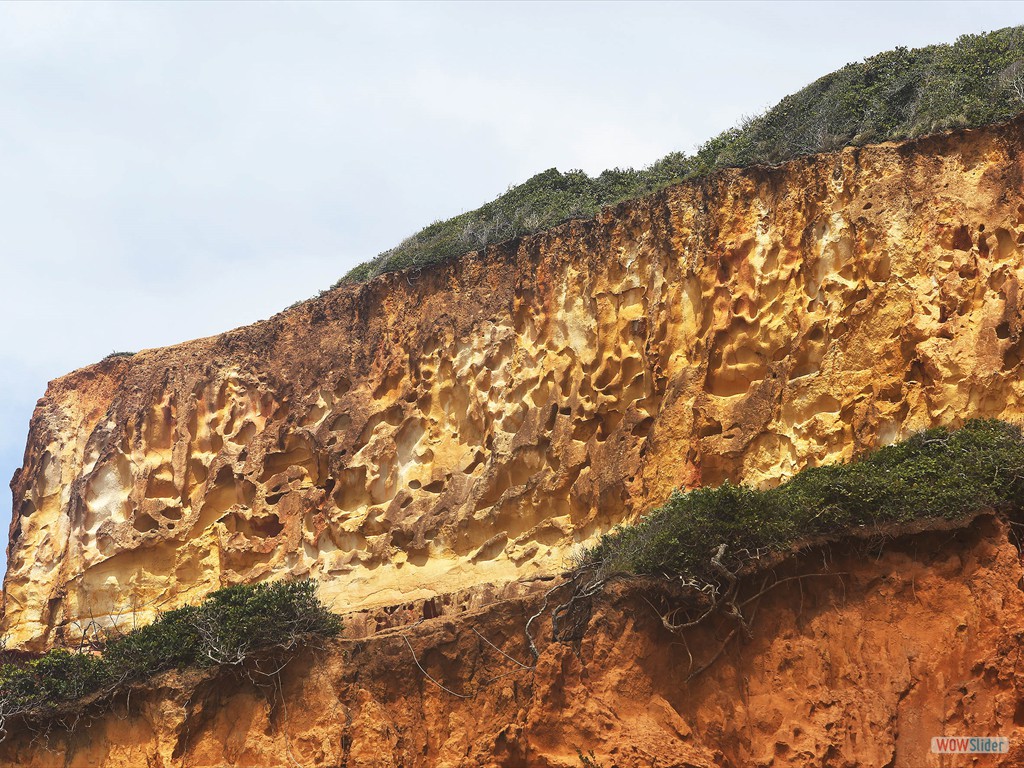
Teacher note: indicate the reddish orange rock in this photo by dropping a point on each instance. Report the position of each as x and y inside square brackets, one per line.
[859, 668]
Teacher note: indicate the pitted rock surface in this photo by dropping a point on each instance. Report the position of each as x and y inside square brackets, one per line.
[465, 427]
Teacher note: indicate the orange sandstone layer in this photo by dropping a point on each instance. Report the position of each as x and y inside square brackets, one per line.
[460, 429]
[859, 668]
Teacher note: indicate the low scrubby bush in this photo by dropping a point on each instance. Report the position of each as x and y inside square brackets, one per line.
[231, 626]
[238, 621]
[56, 678]
[938, 474]
[897, 94]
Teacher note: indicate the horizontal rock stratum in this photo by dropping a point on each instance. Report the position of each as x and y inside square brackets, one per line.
[456, 431]
[860, 666]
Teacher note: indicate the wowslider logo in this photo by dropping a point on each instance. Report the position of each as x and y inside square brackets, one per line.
[970, 745]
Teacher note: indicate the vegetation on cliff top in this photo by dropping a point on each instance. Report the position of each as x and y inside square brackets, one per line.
[895, 95]
[233, 627]
[936, 475]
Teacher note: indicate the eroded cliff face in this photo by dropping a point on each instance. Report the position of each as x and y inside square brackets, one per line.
[860, 662]
[458, 430]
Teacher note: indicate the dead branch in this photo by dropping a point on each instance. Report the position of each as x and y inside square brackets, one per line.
[539, 613]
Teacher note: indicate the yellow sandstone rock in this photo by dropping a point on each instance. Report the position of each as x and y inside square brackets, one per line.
[463, 428]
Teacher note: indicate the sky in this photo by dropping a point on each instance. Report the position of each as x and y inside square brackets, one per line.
[174, 170]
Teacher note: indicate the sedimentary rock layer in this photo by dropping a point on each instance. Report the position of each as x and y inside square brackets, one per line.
[859, 663]
[438, 431]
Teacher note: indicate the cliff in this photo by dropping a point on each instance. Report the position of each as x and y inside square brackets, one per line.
[436, 438]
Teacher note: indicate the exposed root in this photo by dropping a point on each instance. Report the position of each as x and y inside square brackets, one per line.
[492, 645]
[721, 597]
[427, 674]
[544, 606]
[582, 594]
[726, 603]
[714, 658]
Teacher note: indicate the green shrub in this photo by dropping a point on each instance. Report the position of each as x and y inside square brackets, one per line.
[894, 95]
[229, 627]
[235, 622]
[49, 682]
[61, 676]
[170, 642]
[938, 474]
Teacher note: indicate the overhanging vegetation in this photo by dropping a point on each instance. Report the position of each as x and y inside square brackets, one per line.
[936, 475]
[230, 628]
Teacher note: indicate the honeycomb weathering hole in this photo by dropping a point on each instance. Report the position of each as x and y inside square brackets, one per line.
[143, 523]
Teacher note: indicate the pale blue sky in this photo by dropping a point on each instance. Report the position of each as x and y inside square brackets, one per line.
[173, 170]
